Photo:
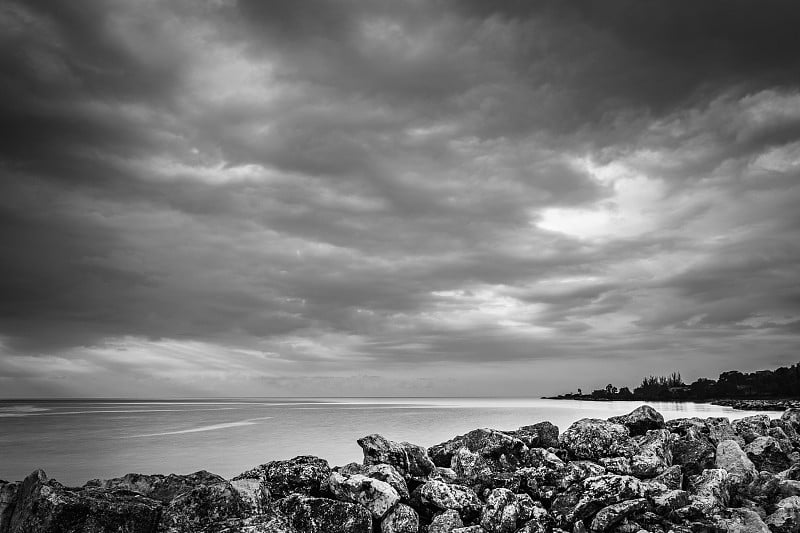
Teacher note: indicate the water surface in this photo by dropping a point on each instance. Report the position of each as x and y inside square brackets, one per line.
[76, 440]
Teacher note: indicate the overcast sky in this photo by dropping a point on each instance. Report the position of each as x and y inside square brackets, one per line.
[395, 197]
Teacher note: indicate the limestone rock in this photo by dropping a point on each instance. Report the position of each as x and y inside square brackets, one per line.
[692, 450]
[651, 453]
[500, 513]
[751, 427]
[442, 496]
[617, 465]
[304, 474]
[445, 522]
[720, 429]
[401, 519]
[526, 505]
[766, 454]
[742, 521]
[669, 501]
[640, 420]
[540, 522]
[710, 491]
[8, 495]
[672, 477]
[377, 496]
[597, 492]
[410, 460]
[613, 514]
[541, 435]
[792, 417]
[733, 460]
[786, 518]
[322, 515]
[202, 506]
[157, 486]
[592, 439]
[383, 472]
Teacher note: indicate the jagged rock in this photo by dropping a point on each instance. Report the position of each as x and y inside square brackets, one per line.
[500, 513]
[596, 492]
[579, 527]
[304, 474]
[693, 451]
[448, 475]
[377, 496]
[733, 460]
[445, 522]
[710, 491]
[591, 438]
[469, 529]
[617, 465]
[786, 518]
[742, 521]
[666, 502]
[442, 496]
[322, 515]
[539, 457]
[410, 460]
[254, 495]
[202, 506]
[766, 454]
[792, 417]
[541, 435]
[720, 429]
[43, 505]
[470, 465]
[401, 519]
[788, 487]
[157, 486]
[790, 431]
[751, 427]
[540, 522]
[613, 514]
[383, 472]
[489, 443]
[651, 453]
[8, 494]
[640, 420]
[672, 477]
[526, 506]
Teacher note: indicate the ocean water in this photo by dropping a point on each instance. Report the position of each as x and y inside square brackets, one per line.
[77, 440]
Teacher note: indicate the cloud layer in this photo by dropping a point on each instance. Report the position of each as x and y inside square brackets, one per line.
[361, 197]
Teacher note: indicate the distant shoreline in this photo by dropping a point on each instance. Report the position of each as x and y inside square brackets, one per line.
[750, 404]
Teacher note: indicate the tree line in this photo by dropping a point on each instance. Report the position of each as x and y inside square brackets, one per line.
[781, 383]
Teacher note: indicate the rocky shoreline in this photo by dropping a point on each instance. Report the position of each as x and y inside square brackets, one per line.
[629, 474]
[759, 405]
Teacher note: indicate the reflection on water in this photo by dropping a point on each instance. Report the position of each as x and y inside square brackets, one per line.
[106, 438]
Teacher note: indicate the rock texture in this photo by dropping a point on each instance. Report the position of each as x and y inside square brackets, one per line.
[631, 474]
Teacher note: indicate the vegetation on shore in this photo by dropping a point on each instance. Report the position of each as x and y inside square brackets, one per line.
[763, 384]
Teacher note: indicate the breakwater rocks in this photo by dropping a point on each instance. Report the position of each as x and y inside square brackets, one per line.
[629, 474]
[760, 405]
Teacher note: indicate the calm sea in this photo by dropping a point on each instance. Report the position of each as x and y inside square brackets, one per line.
[76, 440]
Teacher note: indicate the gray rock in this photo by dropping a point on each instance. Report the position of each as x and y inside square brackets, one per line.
[304, 474]
[720, 429]
[541, 435]
[489, 443]
[157, 486]
[377, 496]
[651, 453]
[445, 522]
[751, 427]
[469, 529]
[742, 521]
[597, 492]
[617, 465]
[592, 439]
[640, 420]
[786, 518]
[766, 454]
[410, 460]
[442, 496]
[322, 515]
[733, 460]
[501, 512]
[254, 494]
[540, 522]
[613, 514]
[672, 477]
[693, 451]
[666, 502]
[710, 491]
[526, 505]
[201, 507]
[383, 472]
[8, 495]
[792, 417]
[401, 519]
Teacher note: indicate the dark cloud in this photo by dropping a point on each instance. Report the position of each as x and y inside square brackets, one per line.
[299, 194]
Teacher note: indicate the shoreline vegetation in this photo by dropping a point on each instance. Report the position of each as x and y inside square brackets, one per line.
[765, 390]
[635, 473]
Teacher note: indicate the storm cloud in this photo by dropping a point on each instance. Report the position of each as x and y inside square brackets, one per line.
[405, 198]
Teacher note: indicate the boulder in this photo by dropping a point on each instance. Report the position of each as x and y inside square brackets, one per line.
[742, 521]
[489, 443]
[469, 529]
[720, 429]
[617, 465]
[445, 522]
[613, 514]
[304, 474]
[591, 438]
[640, 420]
[792, 417]
[710, 491]
[322, 515]
[43, 505]
[666, 502]
[201, 507]
[672, 477]
[441, 496]
[8, 495]
[693, 451]
[766, 454]
[254, 495]
[596, 492]
[410, 460]
[500, 513]
[751, 427]
[401, 519]
[786, 518]
[526, 506]
[731, 458]
[540, 522]
[377, 496]
[541, 435]
[383, 472]
[651, 453]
